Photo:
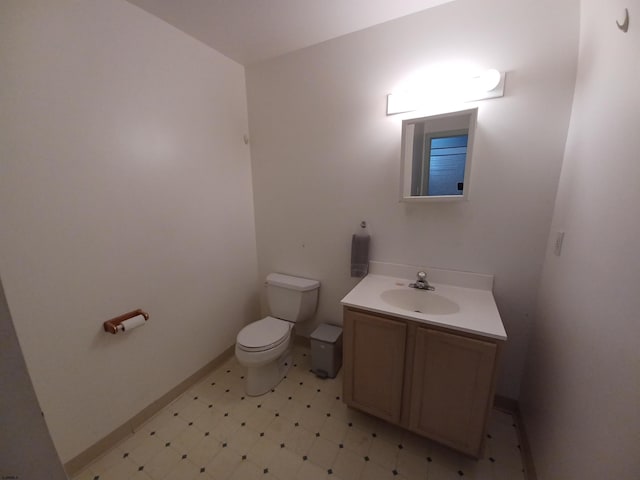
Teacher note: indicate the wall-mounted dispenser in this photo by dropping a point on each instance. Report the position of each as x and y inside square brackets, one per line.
[125, 322]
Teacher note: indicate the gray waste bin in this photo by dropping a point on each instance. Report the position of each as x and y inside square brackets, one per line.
[326, 350]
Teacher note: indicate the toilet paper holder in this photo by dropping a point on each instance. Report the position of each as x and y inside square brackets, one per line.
[115, 324]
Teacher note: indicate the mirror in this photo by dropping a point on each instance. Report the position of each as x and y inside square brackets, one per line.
[436, 156]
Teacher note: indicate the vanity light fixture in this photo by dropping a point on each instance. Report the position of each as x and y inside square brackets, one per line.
[488, 84]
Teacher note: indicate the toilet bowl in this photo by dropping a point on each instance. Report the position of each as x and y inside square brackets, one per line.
[264, 346]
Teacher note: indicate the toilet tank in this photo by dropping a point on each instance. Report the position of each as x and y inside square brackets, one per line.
[292, 298]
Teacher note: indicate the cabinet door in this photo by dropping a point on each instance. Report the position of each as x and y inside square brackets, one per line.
[451, 388]
[374, 364]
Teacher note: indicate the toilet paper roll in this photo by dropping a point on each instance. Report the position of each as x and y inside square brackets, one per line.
[133, 322]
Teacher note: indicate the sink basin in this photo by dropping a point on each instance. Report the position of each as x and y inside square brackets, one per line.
[462, 301]
[419, 301]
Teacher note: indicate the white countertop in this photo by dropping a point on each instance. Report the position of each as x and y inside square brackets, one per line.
[477, 312]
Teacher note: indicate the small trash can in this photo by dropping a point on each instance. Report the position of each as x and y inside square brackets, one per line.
[326, 350]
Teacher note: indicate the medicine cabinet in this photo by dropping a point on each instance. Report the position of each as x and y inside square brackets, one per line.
[435, 160]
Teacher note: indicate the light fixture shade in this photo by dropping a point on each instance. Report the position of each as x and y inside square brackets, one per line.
[488, 84]
[490, 79]
[400, 103]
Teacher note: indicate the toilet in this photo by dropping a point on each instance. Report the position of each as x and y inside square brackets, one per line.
[264, 346]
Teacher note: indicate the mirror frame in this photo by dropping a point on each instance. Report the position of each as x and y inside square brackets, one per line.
[468, 117]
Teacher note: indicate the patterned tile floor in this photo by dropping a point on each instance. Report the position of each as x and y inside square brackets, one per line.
[300, 430]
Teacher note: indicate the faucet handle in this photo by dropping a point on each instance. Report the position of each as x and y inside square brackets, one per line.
[422, 276]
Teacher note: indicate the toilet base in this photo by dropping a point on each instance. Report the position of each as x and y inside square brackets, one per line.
[266, 377]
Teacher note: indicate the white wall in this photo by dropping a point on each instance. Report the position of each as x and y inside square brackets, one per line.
[581, 394]
[124, 183]
[23, 433]
[325, 156]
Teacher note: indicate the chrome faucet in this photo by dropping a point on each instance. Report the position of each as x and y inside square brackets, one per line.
[421, 283]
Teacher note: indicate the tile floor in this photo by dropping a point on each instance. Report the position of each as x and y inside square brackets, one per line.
[300, 430]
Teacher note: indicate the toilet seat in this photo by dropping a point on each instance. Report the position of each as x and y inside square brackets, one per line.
[263, 335]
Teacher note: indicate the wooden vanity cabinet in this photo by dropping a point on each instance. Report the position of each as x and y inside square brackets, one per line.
[373, 359]
[452, 386]
[436, 382]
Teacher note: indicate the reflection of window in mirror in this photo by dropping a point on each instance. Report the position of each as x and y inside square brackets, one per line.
[436, 155]
[441, 164]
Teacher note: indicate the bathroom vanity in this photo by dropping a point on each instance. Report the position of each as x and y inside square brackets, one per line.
[424, 360]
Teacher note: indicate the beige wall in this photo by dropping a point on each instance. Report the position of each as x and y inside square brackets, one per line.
[325, 156]
[124, 183]
[581, 395]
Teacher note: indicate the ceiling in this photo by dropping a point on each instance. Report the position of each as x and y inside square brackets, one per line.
[250, 31]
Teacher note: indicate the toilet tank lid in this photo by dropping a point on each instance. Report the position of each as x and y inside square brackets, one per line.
[294, 283]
